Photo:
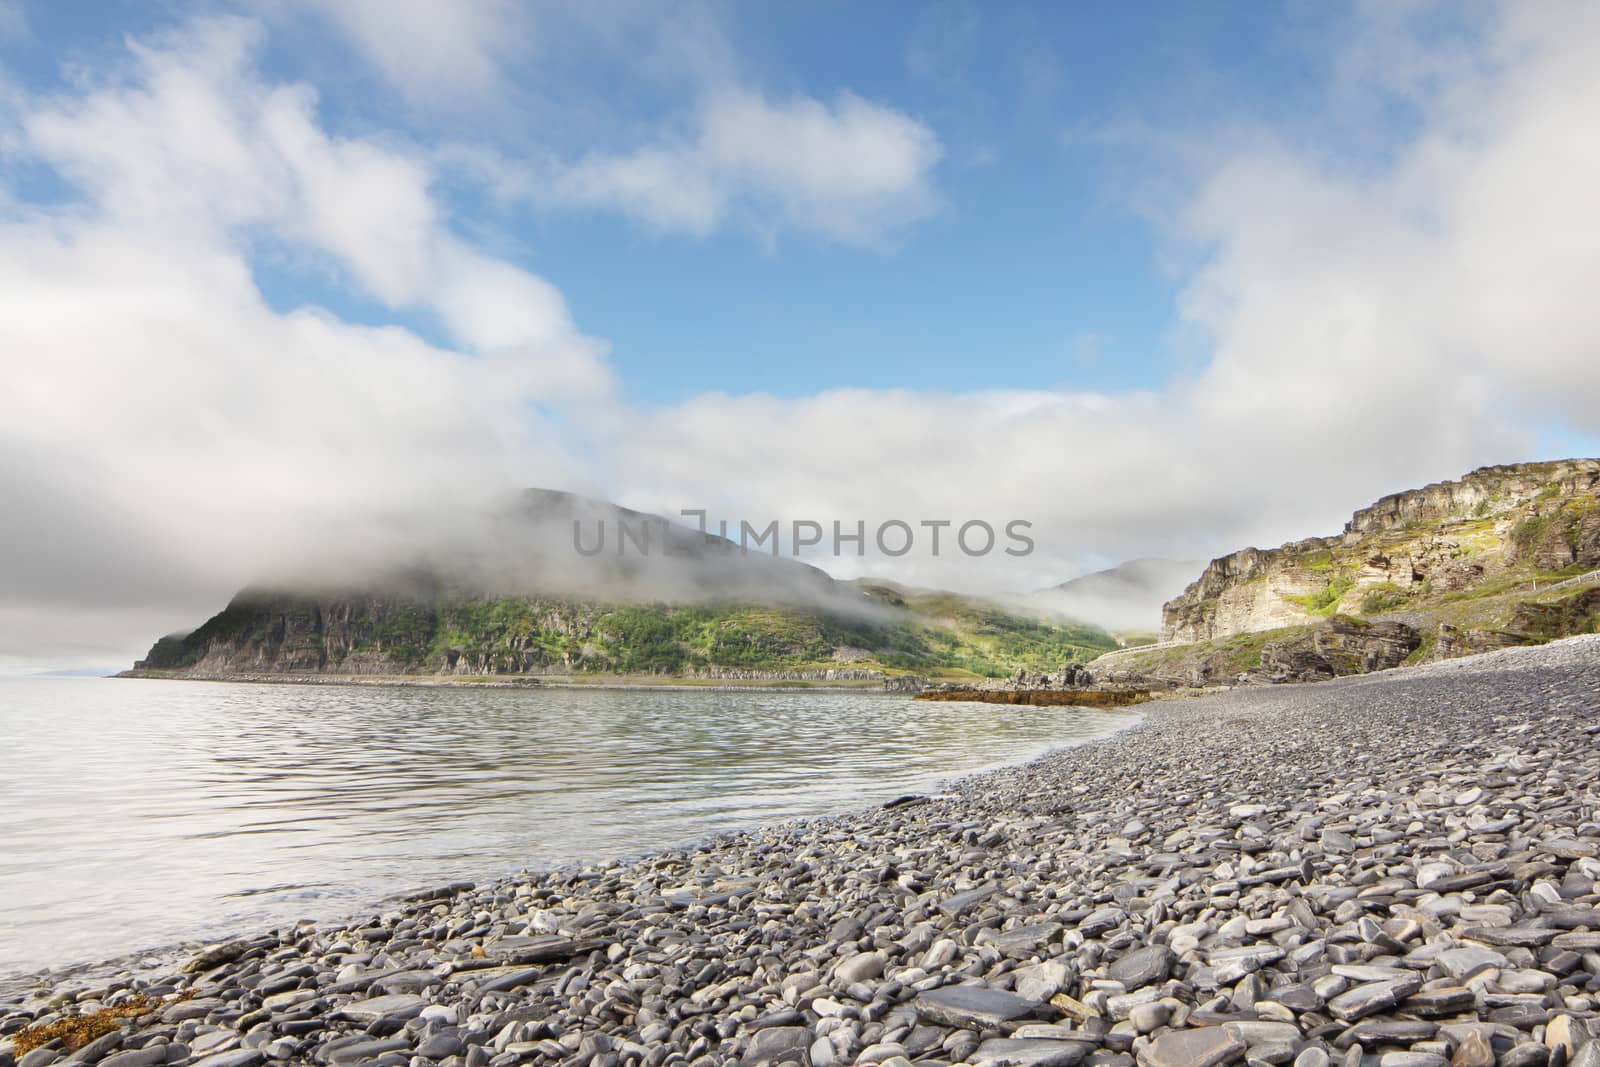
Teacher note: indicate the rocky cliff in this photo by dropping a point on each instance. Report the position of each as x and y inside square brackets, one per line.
[1411, 555]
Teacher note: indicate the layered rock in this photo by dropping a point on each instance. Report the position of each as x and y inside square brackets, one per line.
[1451, 537]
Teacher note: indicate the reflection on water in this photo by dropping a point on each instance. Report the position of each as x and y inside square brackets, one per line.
[134, 814]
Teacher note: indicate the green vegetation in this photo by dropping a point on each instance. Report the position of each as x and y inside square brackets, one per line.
[1381, 598]
[1325, 599]
[894, 630]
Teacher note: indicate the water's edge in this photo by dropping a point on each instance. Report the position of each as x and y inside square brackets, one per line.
[161, 958]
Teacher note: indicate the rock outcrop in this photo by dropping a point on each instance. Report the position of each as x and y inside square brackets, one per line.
[1495, 524]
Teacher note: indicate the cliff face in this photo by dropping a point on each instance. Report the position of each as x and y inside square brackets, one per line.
[1407, 555]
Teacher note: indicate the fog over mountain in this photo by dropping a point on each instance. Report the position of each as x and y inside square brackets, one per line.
[1126, 598]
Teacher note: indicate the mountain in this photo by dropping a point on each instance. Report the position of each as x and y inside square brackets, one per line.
[1505, 555]
[1125, 599]
[510, 594]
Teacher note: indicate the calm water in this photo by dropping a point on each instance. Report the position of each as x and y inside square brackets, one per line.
[137, 814]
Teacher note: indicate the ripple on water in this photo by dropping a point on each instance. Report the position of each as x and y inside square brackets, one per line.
[141, 813]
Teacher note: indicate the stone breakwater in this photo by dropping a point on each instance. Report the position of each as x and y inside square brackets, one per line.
[1386, 871]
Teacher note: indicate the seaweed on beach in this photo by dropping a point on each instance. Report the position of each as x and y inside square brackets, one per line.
[76, 1031]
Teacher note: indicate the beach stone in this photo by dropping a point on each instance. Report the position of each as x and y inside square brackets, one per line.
[1412, 1059]
[1373, 997]
[139, 1057]
[1142, 966]
[883, 1052]
[1473, 1051]
[215, 956]
[1026, 1052]
[1148, 1017]
[860, 968]
[1041, 981]
[358, 1051]
[239, 1057]
[1462, 963]
[977, 1007]
[440, 1046]
[392, 1006]
[1563, 1032]
[781, 1043]
[1207, 1047]
[962, 901]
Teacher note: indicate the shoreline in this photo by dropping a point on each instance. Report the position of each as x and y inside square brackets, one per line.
[1403, 863]
[615, 682]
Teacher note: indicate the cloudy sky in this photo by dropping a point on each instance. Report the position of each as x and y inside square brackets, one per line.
[277, 277]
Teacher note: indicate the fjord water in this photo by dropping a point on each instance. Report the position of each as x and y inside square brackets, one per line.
[137, 814]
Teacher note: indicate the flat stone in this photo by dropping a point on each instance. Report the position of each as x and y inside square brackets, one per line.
[239, 1057]
[1439, 1001]
[190, 1009]
[1142, 966]
[1041, 981]
[1027, 1052]
[504, 978]
[776, 1042]
[1204, 1047]
[288, 999]
[1259, 1032]
[1578, 940]
[976, 1007]
[1373, 997]
[962, 901]
[215, 1041]
[364, 1050]
[1412, 1059]
[1514, 936]
[215, 956]
[1462, 963]
[440, 1046]
[1024, 941]
[1374, 1032]
[396, 1005]
[139, 1057]
[407, 982]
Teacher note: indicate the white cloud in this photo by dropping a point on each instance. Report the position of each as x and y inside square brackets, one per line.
[851, 171]
[433, 53]
[168, 433]
[1368, 327]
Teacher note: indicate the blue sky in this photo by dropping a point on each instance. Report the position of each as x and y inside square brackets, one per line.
[284, 277]
[1049, 119]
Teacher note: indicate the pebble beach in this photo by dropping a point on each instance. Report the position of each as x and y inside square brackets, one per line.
[1395, 870]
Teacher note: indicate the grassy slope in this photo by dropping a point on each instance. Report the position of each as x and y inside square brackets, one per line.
[937, 634]
[1511, 581]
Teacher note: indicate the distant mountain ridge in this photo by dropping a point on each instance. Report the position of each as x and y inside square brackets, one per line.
[511, 596]
[1123, 599]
